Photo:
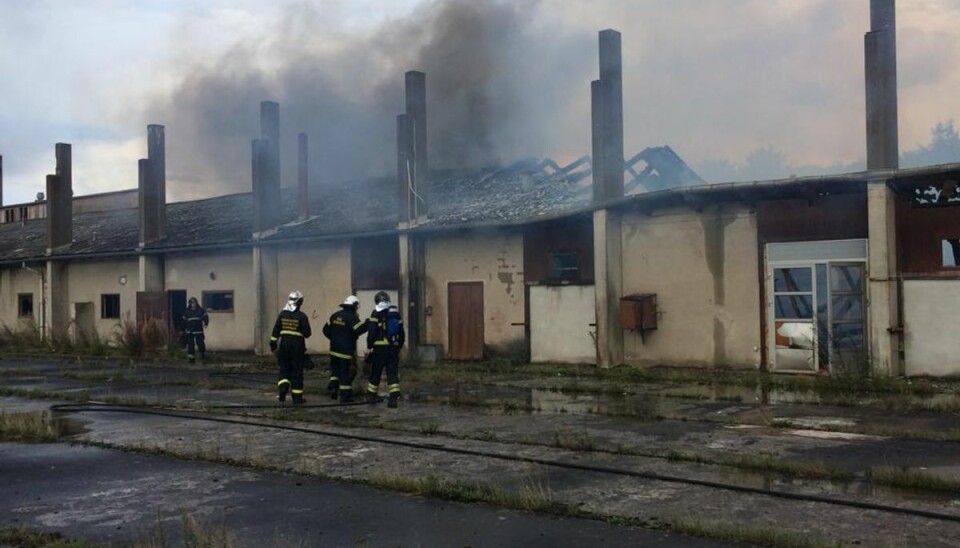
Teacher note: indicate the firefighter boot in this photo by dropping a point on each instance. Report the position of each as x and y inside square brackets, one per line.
[372, 397]
[333, 387]
[346, 395]
[298, 399]
[282, 392]
[392, 400]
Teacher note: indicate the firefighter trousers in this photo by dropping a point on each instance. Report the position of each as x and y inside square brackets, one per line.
[195, 342]
[340, 372]
[385, 357]
[290, 359]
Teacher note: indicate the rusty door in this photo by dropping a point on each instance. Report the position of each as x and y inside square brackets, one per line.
[465, 320]
[151, 305]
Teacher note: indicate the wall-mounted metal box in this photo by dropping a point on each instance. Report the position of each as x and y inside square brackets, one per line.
[638, 312]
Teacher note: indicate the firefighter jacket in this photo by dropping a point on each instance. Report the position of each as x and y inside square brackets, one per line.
[343, 328]
[292, 326]
[194, 320]
[385, 329]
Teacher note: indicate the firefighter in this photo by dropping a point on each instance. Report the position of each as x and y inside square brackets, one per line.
[343, 328]
[288, 340]
[385, 338]
[194, 320]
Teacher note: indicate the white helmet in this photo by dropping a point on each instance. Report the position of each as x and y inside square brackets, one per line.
[296, 297]
[352, 300]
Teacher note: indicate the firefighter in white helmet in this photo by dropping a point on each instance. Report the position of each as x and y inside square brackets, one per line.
[343, 328]
[288, 340]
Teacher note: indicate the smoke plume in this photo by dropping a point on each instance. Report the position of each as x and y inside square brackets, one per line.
[498, 80]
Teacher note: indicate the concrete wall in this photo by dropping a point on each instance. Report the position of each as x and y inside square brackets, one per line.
[87, 281]
[13, 281]
[491, 256]
[232, 270]
[930, 327]
[322, 272]
[704, 269]
[560, 318]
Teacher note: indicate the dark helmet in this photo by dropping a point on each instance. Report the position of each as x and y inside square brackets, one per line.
[192, 300]
[381, 296]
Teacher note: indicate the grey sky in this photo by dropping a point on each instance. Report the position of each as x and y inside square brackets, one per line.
[715, 79]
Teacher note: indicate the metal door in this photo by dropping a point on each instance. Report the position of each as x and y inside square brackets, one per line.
[465, 320]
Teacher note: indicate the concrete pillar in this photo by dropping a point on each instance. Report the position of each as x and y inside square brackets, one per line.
[60, 200]
[303, 180]
[880, 70]
[406, 184]
[415, 87]
[157, 177]
[883, 319]
[270, 164]
[606, 95]
[56, 299]
[148, 199]
[266, 284]
[611, 78]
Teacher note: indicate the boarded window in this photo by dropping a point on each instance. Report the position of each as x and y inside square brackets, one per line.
[110, 306]
[217, 301]
[950, 252]
[25, 305]
[375, 263]
[564, 266]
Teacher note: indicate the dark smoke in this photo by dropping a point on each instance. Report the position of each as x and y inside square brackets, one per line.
[498, 83]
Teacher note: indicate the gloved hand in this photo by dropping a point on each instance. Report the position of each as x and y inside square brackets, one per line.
[273, 346]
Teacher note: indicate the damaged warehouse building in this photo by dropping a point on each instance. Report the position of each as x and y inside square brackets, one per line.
[596, 262]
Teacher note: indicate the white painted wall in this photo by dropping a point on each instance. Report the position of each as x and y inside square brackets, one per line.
[560, 318]
[87, 281]
[491, 256]
[931, 327]
[14, 281]
[703, 267]
[232, 270]
[321, 271]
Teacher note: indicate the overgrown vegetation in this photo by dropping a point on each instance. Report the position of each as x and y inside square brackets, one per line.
[27, 427]
[726, 531]
[22, 537]
[905, 478]
[193, 535]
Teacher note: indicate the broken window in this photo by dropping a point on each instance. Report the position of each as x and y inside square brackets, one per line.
[950, 251]
[110, 306]
[564, 266]
[217, 301]
[25, 305]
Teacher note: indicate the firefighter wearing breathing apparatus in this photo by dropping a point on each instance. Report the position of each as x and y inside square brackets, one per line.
[385, 337]
[288, 340]
[343, 328]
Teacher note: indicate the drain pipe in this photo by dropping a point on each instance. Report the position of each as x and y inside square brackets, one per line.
[43, 299]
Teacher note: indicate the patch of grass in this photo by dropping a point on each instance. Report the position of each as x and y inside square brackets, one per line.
[485, 435]
[430, 427]
[27, 337]
[97, 376]
[193, 535]
[33, 394]
[726, 531]
[27, 427]
[905, 478]
[533, 498]
[146, 338]
[22, 537]
[576, 441]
